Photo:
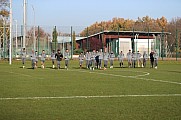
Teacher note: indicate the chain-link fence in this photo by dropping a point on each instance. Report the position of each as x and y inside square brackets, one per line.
[41, 38]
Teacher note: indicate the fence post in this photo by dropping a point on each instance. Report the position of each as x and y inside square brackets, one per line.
[133, 45]
[87, 39]
[4, 39]
[72, 47]
[162, 44]
[176, 44]
[103, 39]
[148, 41]
[55, 39]
[38, 39]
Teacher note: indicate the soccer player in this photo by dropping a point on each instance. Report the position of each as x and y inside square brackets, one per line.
[67, 58]
[129, 57]
[81, 59]
[145, 57]
[53, 58]
[105, 58]
[88, 57]
[139, 59]
[43, 57]
[155, 59]
[97, 59]
[100, 58]
[33, 59]
[134, 58]
[23, 57]
[93, 61]
[111, 58]
[151, 59]
[121, 58]
[59, 57]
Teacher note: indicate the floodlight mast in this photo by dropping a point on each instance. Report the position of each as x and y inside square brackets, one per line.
[34, 39]
[10, 39]
[24, 24]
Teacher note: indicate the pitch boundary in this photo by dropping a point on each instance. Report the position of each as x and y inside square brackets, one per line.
[85, 97]
[26, 75]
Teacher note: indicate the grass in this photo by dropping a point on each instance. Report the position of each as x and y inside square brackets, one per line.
[16, 82]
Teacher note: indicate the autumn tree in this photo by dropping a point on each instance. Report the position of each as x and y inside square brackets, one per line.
[174, 24]
[41, 33]
[4, 6]
[162, 22]
[141, 24]
[4, 15]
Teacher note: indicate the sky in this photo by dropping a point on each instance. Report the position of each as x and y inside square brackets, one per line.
[87, 12]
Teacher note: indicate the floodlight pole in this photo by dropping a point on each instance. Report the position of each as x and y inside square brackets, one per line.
[24, 24]
[10, 39]
[34, 40]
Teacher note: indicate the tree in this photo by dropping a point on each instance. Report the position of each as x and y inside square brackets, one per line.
[4, 13]
[141, 24]
[174, 24]
[4, 5]
[162, 22]
[42, 34]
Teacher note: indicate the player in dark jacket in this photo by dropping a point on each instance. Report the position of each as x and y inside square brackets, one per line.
[151, 59]
[59, 57]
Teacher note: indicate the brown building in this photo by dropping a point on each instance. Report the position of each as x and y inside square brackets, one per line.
[111, 40]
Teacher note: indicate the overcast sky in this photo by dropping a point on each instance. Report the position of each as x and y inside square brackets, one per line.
[87, 12]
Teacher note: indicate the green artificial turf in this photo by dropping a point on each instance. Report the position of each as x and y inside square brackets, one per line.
[141, 93]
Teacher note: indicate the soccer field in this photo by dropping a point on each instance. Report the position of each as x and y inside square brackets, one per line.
[81, 94]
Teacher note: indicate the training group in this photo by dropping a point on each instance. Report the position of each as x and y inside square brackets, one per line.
[94, 59]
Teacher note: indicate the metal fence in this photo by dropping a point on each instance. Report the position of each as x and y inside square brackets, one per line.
[40, 38]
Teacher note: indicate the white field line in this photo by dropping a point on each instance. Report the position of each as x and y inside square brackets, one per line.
[134, 77]
[23, 75]
[163, 81]
[106, 96]
[144, 73]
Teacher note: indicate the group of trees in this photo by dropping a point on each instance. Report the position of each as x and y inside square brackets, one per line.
[141, 24]
[4, 6]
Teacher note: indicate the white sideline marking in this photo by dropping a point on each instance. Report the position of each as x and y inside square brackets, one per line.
[24, 75]
[106, 96]
[163, 81]
[144, 73]
[134, 77]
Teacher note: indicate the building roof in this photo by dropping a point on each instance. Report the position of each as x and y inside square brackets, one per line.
[126, 33]
[66, 39]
